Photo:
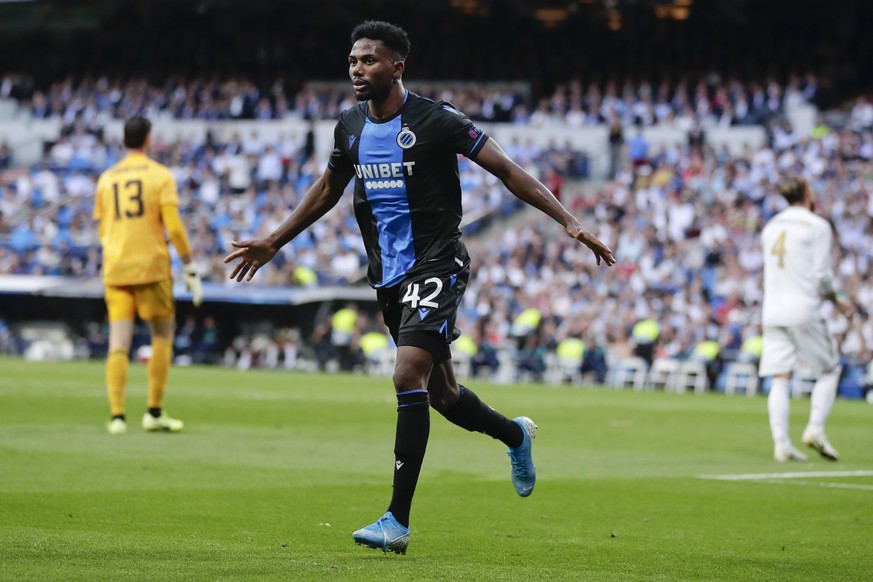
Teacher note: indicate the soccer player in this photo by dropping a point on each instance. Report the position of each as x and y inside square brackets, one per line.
[797, 276]
[402, 149]
[137, 207]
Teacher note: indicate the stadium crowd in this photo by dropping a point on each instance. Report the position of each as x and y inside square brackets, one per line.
[684, 221]
[711, 99]
[228, 191]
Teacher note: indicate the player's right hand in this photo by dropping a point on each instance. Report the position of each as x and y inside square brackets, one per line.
[254, 254]
[583, 235]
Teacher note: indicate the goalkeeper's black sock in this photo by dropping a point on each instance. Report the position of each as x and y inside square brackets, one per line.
[121, 416]
[474, 415]
[410, 444]
[155, 412]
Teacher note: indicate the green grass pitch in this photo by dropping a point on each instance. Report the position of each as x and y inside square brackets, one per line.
[275, 470]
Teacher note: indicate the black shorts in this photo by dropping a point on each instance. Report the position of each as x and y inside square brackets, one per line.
[421, 311]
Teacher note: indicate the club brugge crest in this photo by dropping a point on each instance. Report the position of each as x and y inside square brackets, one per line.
[406, 139]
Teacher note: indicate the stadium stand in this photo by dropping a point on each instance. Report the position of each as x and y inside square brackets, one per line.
[682, 202]
[685, 226]
[710, 100]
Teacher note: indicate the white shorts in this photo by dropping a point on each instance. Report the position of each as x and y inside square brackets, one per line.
[809, 347]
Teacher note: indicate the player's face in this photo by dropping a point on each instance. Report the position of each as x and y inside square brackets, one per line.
[372, 69]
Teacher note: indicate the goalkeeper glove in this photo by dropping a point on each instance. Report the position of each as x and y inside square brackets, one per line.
[193, 283]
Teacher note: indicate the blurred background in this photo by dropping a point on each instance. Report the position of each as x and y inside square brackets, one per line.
[665, 125]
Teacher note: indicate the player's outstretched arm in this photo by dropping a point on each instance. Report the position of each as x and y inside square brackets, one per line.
[321, 197]
[528, 189]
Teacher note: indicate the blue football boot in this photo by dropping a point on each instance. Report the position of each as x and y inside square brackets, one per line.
[524, 473]
[386, 534]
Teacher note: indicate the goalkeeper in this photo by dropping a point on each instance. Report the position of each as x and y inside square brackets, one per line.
[137, 207]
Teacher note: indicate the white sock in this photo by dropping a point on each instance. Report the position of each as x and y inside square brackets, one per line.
[824, 392]
[778, 407]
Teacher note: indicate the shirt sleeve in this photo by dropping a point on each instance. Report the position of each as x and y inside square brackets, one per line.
[176, 230]
[822, 260]
[462, 135]
[339, 159]
[169, 196]
[98, 200]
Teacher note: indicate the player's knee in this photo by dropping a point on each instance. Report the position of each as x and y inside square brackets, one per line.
[406, 378]
[442, 398]
[162, 328]
[120, 335]
[122, 347]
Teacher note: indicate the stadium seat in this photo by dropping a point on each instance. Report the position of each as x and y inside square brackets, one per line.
[741, 375]
[560, 369]
[628, 370]
[505, 373]
[46, 340]
[461, 363]
[691, 374]
[663, 374]
[381, 363]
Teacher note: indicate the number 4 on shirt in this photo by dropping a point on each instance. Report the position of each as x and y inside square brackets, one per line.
[779, 249]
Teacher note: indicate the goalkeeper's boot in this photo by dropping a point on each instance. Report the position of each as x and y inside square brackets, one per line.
[162, 423]
[386, 534]
[524, 473]
[117, 426]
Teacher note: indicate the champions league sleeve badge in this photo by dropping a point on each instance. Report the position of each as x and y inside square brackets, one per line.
[406, 139]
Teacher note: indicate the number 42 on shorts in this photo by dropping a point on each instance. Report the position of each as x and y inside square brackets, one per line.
[413, 294]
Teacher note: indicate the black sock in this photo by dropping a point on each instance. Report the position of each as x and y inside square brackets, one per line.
[410, 443]
[156, 412]
[121, 416]
[471, 413]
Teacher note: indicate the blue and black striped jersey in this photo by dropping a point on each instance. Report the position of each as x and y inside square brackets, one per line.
[407, 189]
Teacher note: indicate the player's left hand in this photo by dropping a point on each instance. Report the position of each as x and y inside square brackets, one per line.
[847, 309]
[194, 284]
[583, 235]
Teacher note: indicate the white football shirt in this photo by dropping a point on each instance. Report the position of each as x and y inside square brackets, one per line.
[797, 246]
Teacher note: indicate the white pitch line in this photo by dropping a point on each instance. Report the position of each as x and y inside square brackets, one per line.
[826, 484]
[798, 475]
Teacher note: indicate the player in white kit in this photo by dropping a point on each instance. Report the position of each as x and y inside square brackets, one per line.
[797, 278]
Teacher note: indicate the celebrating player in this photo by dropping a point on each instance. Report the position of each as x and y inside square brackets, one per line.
[136, 201]
[797, 276]
[402, 149]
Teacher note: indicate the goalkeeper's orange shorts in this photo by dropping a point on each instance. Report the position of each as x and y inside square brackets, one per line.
[149, 301]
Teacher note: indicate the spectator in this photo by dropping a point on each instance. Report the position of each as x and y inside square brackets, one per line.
[645, 335]
[344, 336]
[638, 149]
[616, 146]
[207, 347]
[5, 155]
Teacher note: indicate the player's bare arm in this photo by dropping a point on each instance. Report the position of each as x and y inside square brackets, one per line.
[321, 197]
[842, 304]
[530, 190]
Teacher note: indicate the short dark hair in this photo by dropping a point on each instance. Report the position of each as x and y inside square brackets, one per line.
[793, 189]
[392, 36]
[136, 130]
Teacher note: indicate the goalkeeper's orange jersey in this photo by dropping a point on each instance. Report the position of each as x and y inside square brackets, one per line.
[128, 204]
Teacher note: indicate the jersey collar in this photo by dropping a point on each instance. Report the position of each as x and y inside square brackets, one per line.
[386, 120]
